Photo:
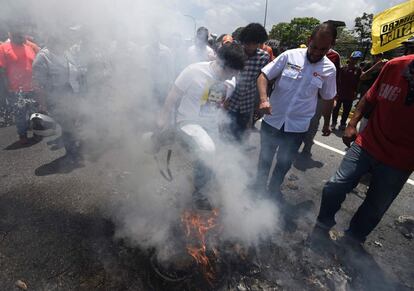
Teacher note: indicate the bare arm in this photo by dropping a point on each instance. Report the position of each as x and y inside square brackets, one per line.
[262, 83]
[169, 104]
[327, 106]
[351, 132]
[378, 66]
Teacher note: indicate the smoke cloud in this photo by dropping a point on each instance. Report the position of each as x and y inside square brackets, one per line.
[114, 42]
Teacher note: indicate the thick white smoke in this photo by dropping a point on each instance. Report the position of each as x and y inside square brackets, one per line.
[119, 106]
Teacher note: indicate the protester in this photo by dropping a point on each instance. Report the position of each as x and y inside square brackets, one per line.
[161, 77]
[269, 50]
[347, 90]
[306, 152]
[202, 89]
[384, 148]
[200, 51]
[300, 75]
[58, 83]
[241, 105]
[408, 46]
[274, 45]
[16, 58]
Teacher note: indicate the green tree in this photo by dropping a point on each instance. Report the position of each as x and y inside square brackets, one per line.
[363, 26]
[346, 42]
[294, 33]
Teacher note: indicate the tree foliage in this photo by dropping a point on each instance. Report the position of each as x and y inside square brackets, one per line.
[363, 25]
[346, 42]
[294, 33]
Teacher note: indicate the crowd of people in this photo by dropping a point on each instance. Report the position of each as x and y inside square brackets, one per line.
[218, 87]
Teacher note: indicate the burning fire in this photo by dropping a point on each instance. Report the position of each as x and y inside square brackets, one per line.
[196, 227]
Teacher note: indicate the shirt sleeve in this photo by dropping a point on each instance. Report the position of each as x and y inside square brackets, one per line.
[328, 90]
[265, 60]
[184, 79]
[40, 72]
[275, 68]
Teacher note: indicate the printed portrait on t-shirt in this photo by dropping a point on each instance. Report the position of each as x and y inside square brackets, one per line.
[213, 98]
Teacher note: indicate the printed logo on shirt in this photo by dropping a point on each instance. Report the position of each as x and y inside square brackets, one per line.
[389, 92]
[291, 70]
[212, 99]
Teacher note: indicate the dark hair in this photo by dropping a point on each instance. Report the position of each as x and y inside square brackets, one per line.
[326, 28]
[202, 31]
[253, 33]
[232, 56]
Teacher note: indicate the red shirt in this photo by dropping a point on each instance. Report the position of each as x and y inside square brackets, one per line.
[334, 57]
[17, 62]
[389, 135]
[348, 82]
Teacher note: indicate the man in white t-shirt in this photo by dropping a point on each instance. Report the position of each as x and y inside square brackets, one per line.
[300, 75]
[200, 51]
[202, 88]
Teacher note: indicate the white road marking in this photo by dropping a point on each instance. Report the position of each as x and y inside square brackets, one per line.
[409, 181]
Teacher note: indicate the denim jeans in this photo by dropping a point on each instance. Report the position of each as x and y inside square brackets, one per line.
[22, 111]
[347, 106]
[287, 145]
[386, 184]
[239, 123]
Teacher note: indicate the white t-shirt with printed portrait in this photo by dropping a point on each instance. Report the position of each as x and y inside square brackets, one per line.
[203, 95]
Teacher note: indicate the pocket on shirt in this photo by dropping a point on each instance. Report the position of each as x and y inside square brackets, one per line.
[313, 87]
[286, 82]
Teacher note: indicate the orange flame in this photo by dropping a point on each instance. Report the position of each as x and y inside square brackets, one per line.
[197, 226]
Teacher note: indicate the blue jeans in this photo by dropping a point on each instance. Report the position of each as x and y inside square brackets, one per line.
[22, 111]
[239, 123]
[386, 184]
[287, 145]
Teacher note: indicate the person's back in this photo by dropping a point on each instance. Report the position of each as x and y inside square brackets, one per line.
[389, 135]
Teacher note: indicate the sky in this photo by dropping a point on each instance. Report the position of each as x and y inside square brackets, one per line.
[223, 16]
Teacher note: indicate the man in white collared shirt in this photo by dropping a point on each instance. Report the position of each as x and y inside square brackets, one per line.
[300, 75]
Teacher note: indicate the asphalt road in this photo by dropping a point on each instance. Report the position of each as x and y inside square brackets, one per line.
[55, 232]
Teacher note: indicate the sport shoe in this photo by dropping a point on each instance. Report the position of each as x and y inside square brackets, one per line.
[333, 126]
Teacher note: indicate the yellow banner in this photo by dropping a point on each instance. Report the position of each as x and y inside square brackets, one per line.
[392, 26]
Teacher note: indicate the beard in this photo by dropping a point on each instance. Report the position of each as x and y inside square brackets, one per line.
[311, 59]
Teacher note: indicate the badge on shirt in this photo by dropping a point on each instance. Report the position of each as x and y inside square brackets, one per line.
[291, 70]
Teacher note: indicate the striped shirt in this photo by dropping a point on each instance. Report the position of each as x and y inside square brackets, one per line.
[245, 94]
